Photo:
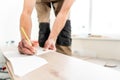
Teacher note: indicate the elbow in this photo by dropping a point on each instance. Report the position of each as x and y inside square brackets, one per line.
[27, 12]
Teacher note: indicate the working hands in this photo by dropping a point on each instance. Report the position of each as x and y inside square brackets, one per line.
[25, 48]
[50, 45]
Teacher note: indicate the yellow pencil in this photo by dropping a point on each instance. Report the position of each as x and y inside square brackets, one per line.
[23, 31]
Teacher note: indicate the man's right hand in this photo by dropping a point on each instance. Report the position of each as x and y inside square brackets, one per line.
[25, 48]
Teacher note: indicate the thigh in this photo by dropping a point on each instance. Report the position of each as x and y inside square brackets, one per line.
[57, 6]
[43, 10]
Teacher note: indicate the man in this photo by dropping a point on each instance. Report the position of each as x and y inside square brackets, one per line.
[60, 35]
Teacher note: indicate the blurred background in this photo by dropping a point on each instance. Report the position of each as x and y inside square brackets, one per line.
[95, 28]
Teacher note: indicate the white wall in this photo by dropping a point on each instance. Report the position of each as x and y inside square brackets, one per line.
[80, 15]
[99, 48]
[10, 11]
[106, 17]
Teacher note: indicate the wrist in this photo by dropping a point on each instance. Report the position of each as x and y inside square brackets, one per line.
[52, 38]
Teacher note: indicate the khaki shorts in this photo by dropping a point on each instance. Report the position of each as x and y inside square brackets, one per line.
[43, 9]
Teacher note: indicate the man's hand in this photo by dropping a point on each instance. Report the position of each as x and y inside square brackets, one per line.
[25, 48]
[50, 45]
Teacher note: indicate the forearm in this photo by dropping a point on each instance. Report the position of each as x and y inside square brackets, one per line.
[58, 25]
[25, 18]
[61, 19]
[26, 24]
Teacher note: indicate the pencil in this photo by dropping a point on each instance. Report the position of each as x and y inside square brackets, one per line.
[23, 31]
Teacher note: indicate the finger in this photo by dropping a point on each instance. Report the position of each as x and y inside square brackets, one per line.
[29, 47]
[26, 43]
[23, 49]
[46, 47]
[20, 50]
[52, 47]
[20, 47]
[26, 51]
[35, 43]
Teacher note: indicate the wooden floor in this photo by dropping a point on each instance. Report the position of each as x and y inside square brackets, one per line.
[114, 63]
[110, 63]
